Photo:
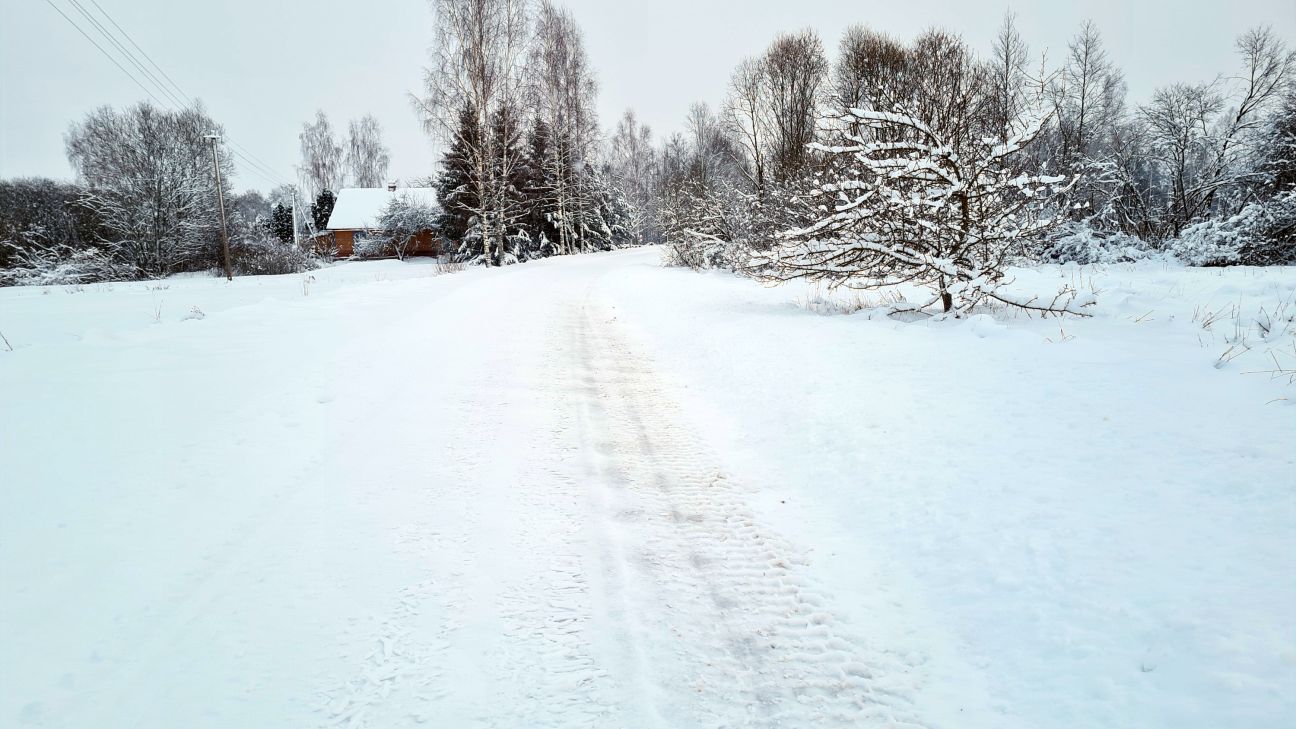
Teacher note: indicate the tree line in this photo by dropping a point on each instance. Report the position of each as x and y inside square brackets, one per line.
[511, 93]
[927, 162]
[145, 204]
[880, 161]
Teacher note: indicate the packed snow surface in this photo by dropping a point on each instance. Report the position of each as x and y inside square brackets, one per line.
[593, 491]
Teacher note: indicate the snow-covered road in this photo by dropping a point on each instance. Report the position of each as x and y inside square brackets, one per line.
[595, 492]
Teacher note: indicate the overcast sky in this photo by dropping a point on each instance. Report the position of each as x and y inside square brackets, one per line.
[262, 67]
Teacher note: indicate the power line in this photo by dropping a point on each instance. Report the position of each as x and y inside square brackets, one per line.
[126, 54]
[255, 162]
[183, 100]
[248, 152]
[142, 51]
[106, 54]
[251, 167]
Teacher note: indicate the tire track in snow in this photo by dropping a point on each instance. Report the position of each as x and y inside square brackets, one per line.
[632, 586]
[720, 625]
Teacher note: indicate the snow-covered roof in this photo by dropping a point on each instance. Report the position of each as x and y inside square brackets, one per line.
[357, 208]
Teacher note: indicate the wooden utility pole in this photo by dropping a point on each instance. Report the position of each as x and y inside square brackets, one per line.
[220, 198]
[296, 236]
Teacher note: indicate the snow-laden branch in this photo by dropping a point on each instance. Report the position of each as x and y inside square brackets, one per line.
[908, 202]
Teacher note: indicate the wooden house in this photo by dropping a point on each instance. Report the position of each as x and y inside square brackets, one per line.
[356, 212]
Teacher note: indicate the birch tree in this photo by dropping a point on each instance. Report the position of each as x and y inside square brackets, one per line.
[565, 93]
[633, 166]
[746, 112]
[321, 157]
[475, 65]
[366, 155]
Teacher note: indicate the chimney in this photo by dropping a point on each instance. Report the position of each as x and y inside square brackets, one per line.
[391, 186]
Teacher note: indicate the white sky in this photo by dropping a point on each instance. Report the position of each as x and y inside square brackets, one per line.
[262, 67]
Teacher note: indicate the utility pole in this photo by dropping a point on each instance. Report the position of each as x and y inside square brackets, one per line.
[220, 198]
[296, 236]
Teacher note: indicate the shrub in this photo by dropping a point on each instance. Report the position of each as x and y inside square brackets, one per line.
[1079, 243]
[1261, 234]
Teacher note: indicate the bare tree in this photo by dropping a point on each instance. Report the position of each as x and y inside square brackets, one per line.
[1089, 95]
[795, 70]
[366, 155]
[633, 165]
[746, 113]
[871, 71]
[1008, 61]
[949, 90]
[713, 155]
[321, 156]
[149, 177]
[1268, 69]
[1179, 120]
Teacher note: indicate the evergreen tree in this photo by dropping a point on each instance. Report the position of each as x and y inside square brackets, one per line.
[539, 213]
[510, 178]
[281, 223]
[455, 192]
[322, 208]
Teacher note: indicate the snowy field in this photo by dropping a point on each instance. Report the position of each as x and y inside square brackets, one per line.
[598, 492]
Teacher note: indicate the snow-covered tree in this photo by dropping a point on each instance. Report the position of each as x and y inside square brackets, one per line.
[509, 181]
[47, 236]
[919, 210]
[456, 188]
[1179, 121]
[322, 208]
[281, 223]
[37, 213]
[632, 167]
[401, 221]
[706, 224]
[476, 67]
[704, 194]
[565, 92]
[148, 177]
